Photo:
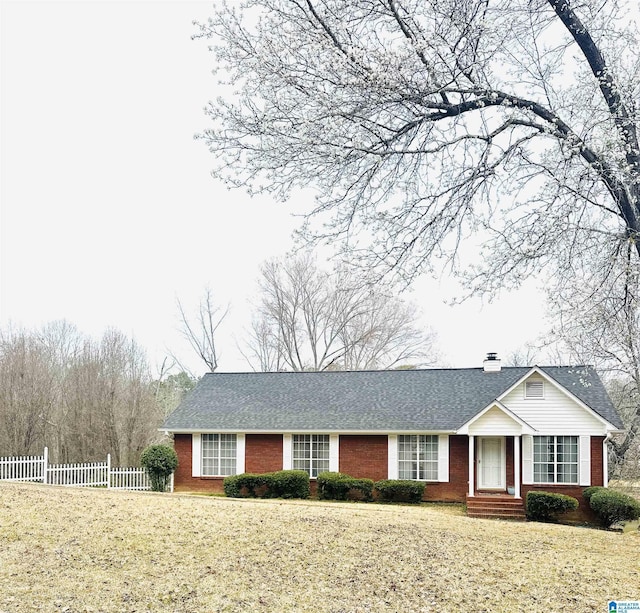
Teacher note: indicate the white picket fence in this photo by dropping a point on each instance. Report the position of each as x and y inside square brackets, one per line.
[86, 474]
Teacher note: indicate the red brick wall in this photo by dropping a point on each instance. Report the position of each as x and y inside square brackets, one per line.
[597, 469]
[456, 489]
[183, 481]
[263, 453]
[364, 457]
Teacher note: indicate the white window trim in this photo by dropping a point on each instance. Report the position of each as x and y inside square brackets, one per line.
[334, 450]
[583, 461]
[440, 475]
[443, 458]
[392, 456]
[196, 454]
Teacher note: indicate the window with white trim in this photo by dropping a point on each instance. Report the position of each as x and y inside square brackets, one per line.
[219, 455]
[555, 459]
[418, 457]
[311, 453]
[534, 389]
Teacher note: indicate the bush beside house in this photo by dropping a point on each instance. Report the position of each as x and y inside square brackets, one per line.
[279, 484]
[160, 462]
[612, 507]
[338, 486]
[547, 506]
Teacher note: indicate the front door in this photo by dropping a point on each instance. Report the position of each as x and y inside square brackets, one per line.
[491, 463]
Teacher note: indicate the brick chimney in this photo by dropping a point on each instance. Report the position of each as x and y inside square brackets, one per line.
[491, 363]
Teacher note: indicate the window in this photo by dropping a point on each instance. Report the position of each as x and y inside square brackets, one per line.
[218, 455]
[311, 453]
[555, 459]
[418, 457]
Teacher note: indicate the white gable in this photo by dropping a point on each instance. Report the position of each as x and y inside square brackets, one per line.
[495, 422]
[553, 410]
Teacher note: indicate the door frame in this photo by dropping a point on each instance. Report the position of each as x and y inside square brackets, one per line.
[503, 464]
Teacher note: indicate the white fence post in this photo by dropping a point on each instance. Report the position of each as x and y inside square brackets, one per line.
[108, 471]
[45, 465]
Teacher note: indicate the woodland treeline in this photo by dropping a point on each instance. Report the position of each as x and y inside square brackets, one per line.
[80, 397]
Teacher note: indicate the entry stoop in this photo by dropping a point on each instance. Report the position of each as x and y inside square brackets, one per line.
[496, 506]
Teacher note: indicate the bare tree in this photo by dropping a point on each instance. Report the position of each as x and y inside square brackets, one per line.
[429, 125]
[81, 398]
[201, 330]
[309, 319]
[600, 324]
[425, 124]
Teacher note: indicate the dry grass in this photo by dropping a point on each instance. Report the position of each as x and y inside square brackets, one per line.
[97, 550]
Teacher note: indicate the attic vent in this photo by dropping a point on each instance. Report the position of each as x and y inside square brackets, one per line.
[534, 389]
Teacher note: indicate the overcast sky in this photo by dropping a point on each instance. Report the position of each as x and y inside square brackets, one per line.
[108, 212]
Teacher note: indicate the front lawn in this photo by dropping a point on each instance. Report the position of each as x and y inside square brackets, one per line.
[96, 550]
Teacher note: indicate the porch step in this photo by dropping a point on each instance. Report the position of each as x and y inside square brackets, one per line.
[496, 506]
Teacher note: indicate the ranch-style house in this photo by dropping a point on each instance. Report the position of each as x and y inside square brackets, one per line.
[485, 436]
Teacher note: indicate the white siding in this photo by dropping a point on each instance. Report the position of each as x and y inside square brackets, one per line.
[556, 413]
[196, 455]
[495, 422]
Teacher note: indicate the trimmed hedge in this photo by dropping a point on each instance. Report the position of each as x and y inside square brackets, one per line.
[280, 484]
[398, 490]
[590, 491]
[547, 506]
[338, 486]
[611, 507]
[160, 461]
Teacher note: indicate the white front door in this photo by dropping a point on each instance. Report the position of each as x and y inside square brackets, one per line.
[491, 463]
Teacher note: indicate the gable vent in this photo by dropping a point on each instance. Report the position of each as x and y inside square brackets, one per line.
[534, 389]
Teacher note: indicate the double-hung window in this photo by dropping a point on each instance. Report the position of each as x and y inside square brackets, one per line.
[218, 455]
[311, 453]
[555, 459]
[418, 457]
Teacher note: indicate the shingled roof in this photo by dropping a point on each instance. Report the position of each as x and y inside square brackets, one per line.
[369, 401]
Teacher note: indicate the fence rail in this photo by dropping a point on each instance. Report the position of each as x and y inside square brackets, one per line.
[87, 474]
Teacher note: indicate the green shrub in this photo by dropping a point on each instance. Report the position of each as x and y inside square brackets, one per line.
[398, 490]
[281, 484]
[160, 461]
[290, 484]
[611, 507]
[590, 491]
[546, 506]
[246, 485]
[338, 486]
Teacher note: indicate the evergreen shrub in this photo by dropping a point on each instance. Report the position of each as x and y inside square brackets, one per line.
[280, 484]
[611, 507]
[547, 506]
[399, 490]
[160, 461]
[339, 486]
